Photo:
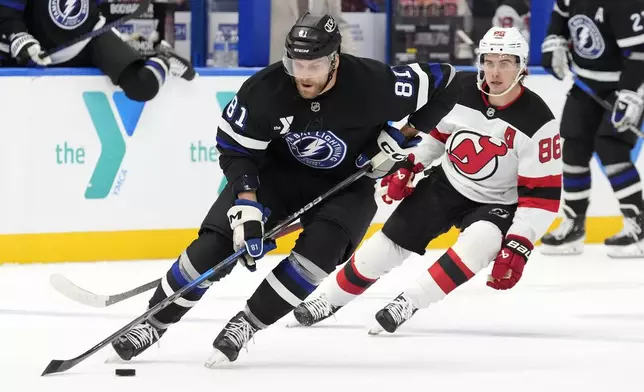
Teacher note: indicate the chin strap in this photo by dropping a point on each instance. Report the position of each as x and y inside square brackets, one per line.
[480, 80]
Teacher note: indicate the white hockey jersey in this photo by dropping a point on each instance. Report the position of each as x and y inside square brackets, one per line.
[501, 155]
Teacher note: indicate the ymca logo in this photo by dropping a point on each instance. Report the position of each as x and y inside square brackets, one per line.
[475, 156]
[110, 136]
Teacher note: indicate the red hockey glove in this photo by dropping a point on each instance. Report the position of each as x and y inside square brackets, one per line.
[399, 184]
[509, 263]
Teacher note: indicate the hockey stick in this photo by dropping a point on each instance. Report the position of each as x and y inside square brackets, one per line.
[601, 102]
[74, 292]
[140, 10]
[57, 366]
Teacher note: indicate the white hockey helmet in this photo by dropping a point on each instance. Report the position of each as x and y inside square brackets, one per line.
[503, 40]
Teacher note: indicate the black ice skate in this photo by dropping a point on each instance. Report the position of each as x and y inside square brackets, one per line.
[311, 312]
[567, 239]
[394, 315]
[630, 241]
[231, 340]
[179, 66]
[136, 340]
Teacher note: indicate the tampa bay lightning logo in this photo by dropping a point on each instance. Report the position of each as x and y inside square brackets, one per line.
[69, 14]
[318, 149]
[586, 37]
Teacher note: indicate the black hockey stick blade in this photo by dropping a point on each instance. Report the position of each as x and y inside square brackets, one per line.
[57, 366]
[140, 10]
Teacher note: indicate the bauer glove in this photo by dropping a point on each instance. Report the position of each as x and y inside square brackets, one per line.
[247, 220]
[391, 148]
[509, 263]
[399, 184]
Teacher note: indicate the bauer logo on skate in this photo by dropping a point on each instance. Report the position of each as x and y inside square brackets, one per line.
[475, 156]
[319, 149]
[69, 14]
[586, 37]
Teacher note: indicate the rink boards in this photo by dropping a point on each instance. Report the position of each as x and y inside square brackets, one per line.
[89, 175]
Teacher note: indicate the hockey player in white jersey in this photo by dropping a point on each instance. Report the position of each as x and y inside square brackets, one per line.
[499, 181]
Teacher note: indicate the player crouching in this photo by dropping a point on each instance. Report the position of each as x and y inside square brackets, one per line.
[499, 181]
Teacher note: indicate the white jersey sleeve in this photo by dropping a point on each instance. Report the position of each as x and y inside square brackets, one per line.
[433, 145]
[538, 183]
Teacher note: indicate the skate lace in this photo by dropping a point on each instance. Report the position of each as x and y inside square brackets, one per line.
[631, 229]
[319, 307]
[239, 332]
[401, 309]
[564, 229]
[142, 335]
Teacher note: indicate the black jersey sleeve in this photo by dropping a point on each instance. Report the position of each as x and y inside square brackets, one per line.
[626, 20]
[559, 19]
[242, 135]
[425, 92]
[11, 17]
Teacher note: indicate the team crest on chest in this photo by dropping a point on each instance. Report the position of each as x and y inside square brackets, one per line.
[586, 37]
[474, 155]
[68, 14]
[317, 149]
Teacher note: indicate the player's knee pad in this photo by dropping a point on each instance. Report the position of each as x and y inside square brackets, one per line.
[324, 243]
[577, 152]
[613, 150]
[478, 245]
[377, 256]
[298, 275]
[204, 253]
[142, 81]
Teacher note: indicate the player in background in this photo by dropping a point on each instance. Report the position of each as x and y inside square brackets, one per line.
[294, 130]
[28, 28]
[607, 54]
[499, 181]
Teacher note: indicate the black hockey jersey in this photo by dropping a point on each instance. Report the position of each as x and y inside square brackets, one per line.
[607, 38]
[52, 22]
[268, 122]
[501, 155]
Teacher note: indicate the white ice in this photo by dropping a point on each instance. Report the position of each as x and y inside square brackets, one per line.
[572, 324]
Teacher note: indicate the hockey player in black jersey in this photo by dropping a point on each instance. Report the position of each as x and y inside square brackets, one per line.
[28, 28]
[294, 130]
[607, 39]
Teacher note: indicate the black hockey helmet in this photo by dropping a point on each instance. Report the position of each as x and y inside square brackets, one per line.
[313, 37]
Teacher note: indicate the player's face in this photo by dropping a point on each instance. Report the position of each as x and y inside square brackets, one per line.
[310, 75]
[500, 71]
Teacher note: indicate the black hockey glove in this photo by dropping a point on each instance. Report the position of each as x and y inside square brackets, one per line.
[392, 146]
[247, 220]
[26, 49]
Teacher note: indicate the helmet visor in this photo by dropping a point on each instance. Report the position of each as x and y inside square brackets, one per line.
[304, 69]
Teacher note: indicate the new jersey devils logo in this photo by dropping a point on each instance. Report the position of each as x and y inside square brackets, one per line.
[475, 156]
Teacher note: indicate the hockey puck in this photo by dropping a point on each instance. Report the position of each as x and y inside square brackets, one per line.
[125, 372]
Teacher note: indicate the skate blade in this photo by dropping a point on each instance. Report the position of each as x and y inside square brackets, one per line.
[625, 252]
[376, 330]
[113, 357]
[217, 359]
[562, 250]
[294, 324]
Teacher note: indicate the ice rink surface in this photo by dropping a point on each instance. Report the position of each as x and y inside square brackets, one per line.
[572, 324]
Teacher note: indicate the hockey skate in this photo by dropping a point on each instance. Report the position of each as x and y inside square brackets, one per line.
[394, 315]
[312, 312]
[179, 66]
[136, 340]
[231, 340]
[567, 239]
[630, 241]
